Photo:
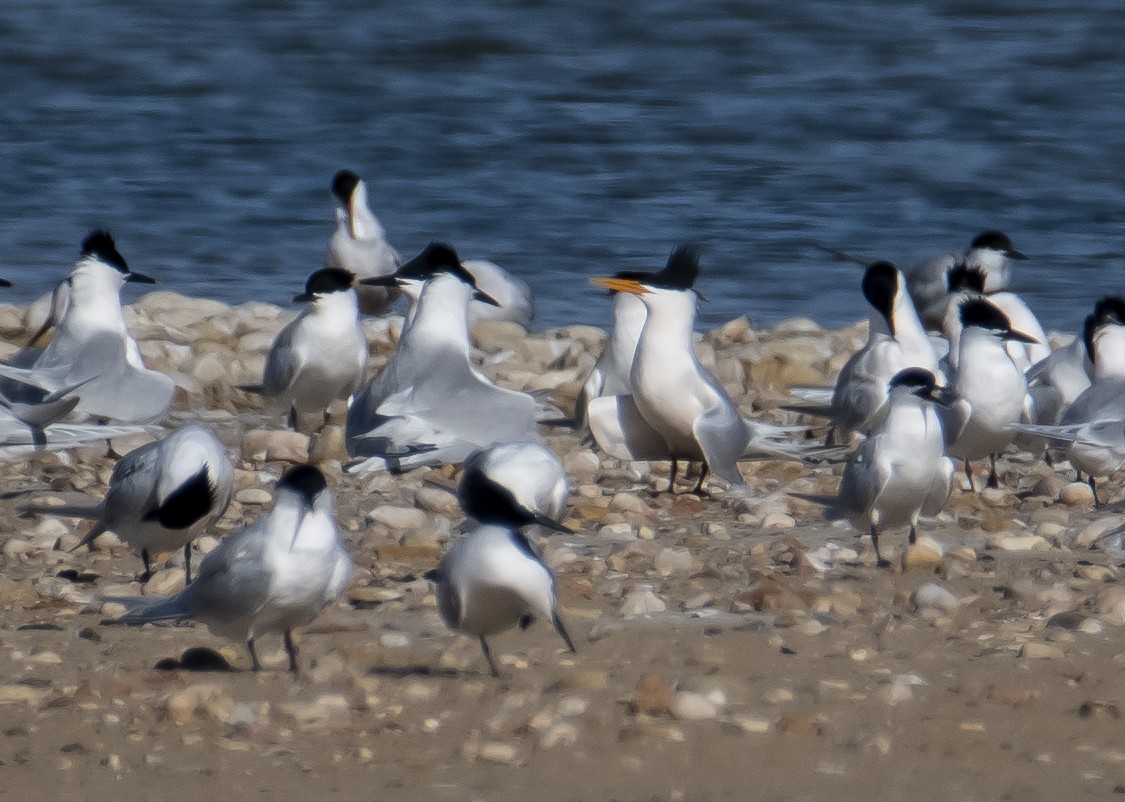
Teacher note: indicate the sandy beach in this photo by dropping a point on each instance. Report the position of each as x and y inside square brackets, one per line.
[725, 651]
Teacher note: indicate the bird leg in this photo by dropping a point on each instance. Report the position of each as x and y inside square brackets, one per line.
[291, 650]
[993, 479]
[561, 629]
[488, 657]
[969, 475]
[147, 575]
[879, 561]
[187, 563]
[254, 664]
[913, 535]
[293, 420]
[1094, 488]
[702, 477]
[672, 478]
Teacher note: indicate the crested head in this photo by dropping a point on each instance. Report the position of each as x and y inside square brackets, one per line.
[880, 287]
[99, 245]
[996, 241]
[344, 184]
[435, 259]
[305, 480]
[985, 315]
[328, 280]
[963, 278]
[914, 378]
[680, 272]
[1110, 310]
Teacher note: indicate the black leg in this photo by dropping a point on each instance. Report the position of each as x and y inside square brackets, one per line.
[1077, 476]
[879, 561]
[293, 420]
[1094, 488]
[672, 478]
[969, 474]
[254, 664]
[291, 650]
[702, 477]
[561, 629]
[488, 657]
[1048, 457]
[913, 535]
[187, 563]
[993, 479]
[147, 575]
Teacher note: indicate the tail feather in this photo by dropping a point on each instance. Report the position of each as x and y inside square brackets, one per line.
[96, 530]
[256, 389]
[89, 510]
[144, 610]
[1062, 434]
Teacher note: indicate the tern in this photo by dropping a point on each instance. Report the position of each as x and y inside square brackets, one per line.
[431, 404]
[492, 580]
[517, 483]
[161, 496]
[275, 575]
[895, 341]
[321, 356]
[359, 243]
[990, 388]
[1093, 424]
[900, 471]
[93, 348]
[991, 252]
[966, 282]
[678, 410]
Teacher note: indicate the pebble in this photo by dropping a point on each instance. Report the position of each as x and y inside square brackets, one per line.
[1041, 651]
[652, 696]
[674, 560]
[690, 706]
[933, 596]
[642, 601]
[253, 495]
[1077, 494]
[1019, 543]
[165, 583]
[397, 517]
[499, 752]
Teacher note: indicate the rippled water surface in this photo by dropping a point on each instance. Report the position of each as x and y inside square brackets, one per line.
[565, 140]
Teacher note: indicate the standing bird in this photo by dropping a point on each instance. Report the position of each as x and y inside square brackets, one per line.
[359, 243]
[990, 388]
[687, 413]
[900, 471]
[431, 404]
[519, 483]
[93, 348]
[273, 576]
[162, 496]
[492, 580]
[320, 356]
[991, 252]
[895, 341]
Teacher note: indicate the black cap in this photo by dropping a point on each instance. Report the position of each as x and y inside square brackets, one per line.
[997, 241]
[325, 281]
[344, 184]
[962, 277]
[99, 244]
[435, 258]
[304, 479]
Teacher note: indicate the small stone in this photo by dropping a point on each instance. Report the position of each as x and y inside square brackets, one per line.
[253, 495]
[1019, 543]
[778, 520]
[674, 560]
[642, 601]
[275, 445]
[1041, 651]
[165, 583]
[925, 554]
[1095, 531]
[690, 706]
[751, 725]
[652, 696]
[564, 733]
[933, 596]
[1077, 494]
[12, 692]
[499, 752]
[799, 723]
[397, 517]
[325, 709]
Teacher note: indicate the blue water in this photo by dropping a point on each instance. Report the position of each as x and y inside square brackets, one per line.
[566, 140]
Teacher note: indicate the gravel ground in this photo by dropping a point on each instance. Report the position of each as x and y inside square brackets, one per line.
[726, 650]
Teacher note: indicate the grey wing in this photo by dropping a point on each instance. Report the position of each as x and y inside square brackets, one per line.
[722, 435]
[864, 480]
[132, 487]
[940, 489]
[281, 363]
[953, 419]
[620, 430]
[233, 580]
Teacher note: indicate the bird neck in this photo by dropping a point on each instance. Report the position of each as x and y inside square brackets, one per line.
[95, 298]
[669, 328]
[1109, 351]
[629, 315]
[338, 308]
[364, 224]
[441, 314]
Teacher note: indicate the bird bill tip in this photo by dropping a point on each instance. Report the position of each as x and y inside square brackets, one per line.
[631, 286]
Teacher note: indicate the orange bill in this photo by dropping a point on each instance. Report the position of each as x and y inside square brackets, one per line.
[628, 285]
